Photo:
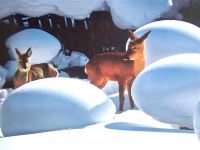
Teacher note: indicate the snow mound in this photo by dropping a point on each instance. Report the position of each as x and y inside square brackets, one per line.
[11, 67]
[76, 9]
[3, 74]
[38, 106]
[168, 89]
[76, 59]
[44, 46]
[169, 37]
[135, 13]
[196, 120]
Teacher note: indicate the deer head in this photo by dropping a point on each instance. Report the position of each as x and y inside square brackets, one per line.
[24, 63]
[135, 46]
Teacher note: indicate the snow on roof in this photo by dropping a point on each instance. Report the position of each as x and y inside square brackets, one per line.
[125, 13]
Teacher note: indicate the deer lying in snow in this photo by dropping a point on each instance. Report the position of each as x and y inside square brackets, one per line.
[27, 72]
[120, 66]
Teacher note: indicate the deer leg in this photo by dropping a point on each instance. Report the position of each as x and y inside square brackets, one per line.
[122, 87]
[129, 85]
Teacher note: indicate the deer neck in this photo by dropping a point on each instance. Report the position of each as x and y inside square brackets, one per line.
[24, 75]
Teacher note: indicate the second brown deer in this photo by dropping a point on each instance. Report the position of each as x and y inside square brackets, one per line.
[27, 72]
[122, 67]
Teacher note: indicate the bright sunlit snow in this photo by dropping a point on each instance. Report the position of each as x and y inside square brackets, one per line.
[169, 37]
[44, 46]
[168, 89]
[52, 104]
[134, 13]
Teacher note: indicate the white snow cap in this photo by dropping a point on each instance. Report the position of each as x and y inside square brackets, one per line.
[11, 67]
[135, 13]
[169, 37]
[53, 104]
[168, 89]
[44, 46]
[3, 74]
[77, 9]
[196, 120]
[125, 13]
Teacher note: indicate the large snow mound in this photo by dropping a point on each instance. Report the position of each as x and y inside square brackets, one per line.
[134, 13]
[169, 37]
[168, 89]
[196, 120]
[52, 104]
[44, 46]
[3, 74]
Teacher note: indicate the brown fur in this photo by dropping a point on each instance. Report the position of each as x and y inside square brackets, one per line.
[120, 67]
[27, 72]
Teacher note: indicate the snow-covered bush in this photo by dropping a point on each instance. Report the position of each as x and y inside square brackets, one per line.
[52, 104]
[169, 37]
[44, 46]
[3, 74]
[11, 67]
[75, 59]
[169, 89]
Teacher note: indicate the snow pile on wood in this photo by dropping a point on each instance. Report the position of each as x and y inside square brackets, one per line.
[44, 46]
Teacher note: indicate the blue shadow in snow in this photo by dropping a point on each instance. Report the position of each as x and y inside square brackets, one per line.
[138, 127]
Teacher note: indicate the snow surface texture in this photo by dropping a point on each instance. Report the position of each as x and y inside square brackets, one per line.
[135, 13]
[131, 130]
[38, 106]
[44, 46]
[3, 74]
[75, 59]
[197, 120]
[168, 89]
[125, 13]
[169, 37]
[11, 67]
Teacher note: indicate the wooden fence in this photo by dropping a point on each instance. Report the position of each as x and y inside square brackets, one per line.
[91, 35]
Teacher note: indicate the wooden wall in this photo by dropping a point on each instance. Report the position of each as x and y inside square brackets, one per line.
[92, 35]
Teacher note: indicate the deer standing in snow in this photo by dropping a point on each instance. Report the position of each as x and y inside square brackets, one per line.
[122, 67]
[27, 72]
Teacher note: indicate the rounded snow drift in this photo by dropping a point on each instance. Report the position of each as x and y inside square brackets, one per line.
[196, 120]
[53, 104]
[168, 89]
[169, 37]
[44, 46]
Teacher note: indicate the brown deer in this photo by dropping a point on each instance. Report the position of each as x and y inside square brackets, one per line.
[122, 67]
[27, 72]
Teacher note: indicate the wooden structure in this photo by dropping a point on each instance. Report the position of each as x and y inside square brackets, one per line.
[91, 35]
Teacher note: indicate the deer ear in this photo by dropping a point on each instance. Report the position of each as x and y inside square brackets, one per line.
[132, 35]
[142, 38]
[29, 52]
[18, 52]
